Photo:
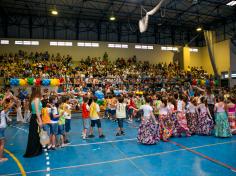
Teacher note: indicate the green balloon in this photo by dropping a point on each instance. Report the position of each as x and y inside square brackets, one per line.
[198, 81]
[30, 81]
[216, 82]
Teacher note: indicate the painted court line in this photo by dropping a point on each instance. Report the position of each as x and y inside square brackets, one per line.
[204, 156]
[17, 162]
[105, 142]
[19, 128]
[123, 159]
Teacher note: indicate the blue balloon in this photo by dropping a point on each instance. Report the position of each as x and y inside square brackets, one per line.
[46, 82]
[14, 82]
[207, 82]
[99, 94]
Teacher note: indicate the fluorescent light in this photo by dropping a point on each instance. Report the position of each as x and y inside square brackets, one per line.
[26, 42]
[233, 75]
[150, 47]
[95, 44]
[34, 42]
[124, 46]
[231, 3]
[61, 43]
[54, 12]
[138, 46]
[199, 29]
[4, 42]
[193, 50]
[53, 43]
[80, 44]
[68, 44]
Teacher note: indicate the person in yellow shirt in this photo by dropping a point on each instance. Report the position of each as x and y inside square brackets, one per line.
[95, 120]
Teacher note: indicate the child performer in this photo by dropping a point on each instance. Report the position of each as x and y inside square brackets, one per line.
[85, 117]
[120, 115]
[95, 120]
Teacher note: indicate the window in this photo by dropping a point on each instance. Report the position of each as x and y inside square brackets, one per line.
[146, 47]
[169, 48]
[59, 43]
[27, 42]
[4, 42]
[87, 44]
[117, 45]
[193, 50]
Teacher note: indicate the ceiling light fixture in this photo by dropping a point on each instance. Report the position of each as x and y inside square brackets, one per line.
[231, 3]
[199, 29]
[112, 17]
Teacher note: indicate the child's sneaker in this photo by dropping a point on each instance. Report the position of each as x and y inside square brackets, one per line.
[63, 145]
[122, 133]
[102, 136]
[118, 134]
[91, 136]
[67, 142]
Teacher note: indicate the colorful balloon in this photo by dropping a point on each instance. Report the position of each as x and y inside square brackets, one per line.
[37, 82]
[23, 82]
[46, 82]
[194, 82]
[207, 82]
[216, 83]
[203, 82]
[62, 80]
[30, 81]
[198, 81]
[14, 82]
[54, 82]
[211, 83]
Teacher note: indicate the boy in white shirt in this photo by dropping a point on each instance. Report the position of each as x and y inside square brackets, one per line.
[120, 115]
[3, 125]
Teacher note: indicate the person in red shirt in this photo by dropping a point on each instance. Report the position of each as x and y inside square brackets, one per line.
[85, 117]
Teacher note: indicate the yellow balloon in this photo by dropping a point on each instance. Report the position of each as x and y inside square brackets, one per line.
[203, 82]
[23, 82]
[55, 82]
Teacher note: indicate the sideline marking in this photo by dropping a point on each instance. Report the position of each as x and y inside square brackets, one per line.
[105, 142]
[19, 128]
[23, 173]
[124, 159]
[204, 156]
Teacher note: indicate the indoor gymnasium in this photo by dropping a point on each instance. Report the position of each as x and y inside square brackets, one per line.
[118, 88]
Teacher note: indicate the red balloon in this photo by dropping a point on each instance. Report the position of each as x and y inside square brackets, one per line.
[61, 80]
[194, 82]
[211, 83]
[38, 82]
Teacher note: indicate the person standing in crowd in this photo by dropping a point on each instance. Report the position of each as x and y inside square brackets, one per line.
[120, 115]
[3, 125]
[231, 106]
[182, 126]
[85, 117]
[148, 132]
[67, 113]
[222, 128]
[34, 148]
[205, 120]
[61, 124]
[19, 117]
[95, 120]
[166, 123]
[46, 120]
[210, 101]
[192, 115]
[54, 116]
[27, 113]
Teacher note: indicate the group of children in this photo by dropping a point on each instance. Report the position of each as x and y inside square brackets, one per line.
[56, 119]
[162, 116]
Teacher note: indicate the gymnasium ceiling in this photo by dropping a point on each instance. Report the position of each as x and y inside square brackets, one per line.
[185, 15]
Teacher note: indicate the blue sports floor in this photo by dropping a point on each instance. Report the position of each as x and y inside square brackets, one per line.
[122, 156]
